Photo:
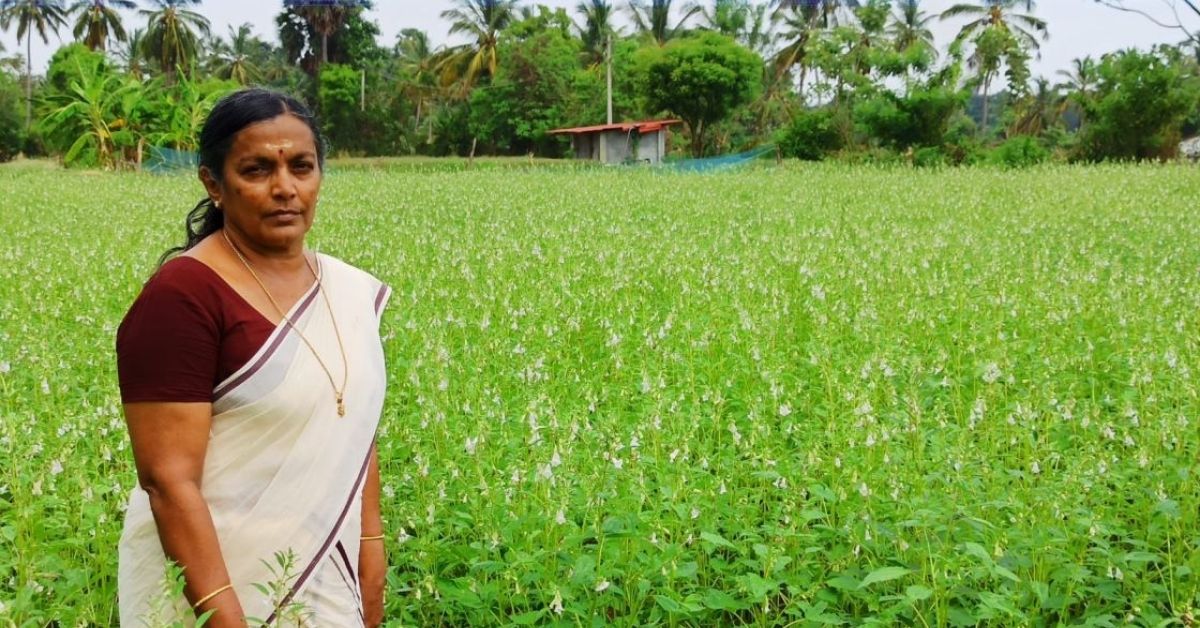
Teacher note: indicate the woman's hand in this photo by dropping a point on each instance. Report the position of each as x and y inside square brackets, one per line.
[372, 566]
[372, 556]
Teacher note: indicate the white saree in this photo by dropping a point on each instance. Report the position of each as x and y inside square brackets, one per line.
[283, 472]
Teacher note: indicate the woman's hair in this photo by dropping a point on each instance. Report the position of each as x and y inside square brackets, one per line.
[230, 115]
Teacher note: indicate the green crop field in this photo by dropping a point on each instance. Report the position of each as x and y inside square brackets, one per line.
[808, 395]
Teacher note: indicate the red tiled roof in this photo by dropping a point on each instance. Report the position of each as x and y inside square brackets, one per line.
[646, 126]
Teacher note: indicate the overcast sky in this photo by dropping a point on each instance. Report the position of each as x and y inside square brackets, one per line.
[1077, 27]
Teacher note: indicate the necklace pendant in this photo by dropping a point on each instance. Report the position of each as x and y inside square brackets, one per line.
[341, 406]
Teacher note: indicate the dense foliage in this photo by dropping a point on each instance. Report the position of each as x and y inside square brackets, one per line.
[856, 81]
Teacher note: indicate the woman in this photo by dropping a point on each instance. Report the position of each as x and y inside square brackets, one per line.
[252, 379]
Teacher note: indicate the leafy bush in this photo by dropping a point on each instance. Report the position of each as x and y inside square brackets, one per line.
[812, 136]
[1021, 151]
[12, 117]
[920, 118]
[929, 156]
[1139, 107]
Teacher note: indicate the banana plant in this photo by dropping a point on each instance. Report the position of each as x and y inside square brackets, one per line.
[94, 111]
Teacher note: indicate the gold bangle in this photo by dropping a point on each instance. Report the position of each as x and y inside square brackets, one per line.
[212, 595]
[379, 537]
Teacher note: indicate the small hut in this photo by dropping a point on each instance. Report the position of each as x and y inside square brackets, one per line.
[1190, 149]
[643, 142]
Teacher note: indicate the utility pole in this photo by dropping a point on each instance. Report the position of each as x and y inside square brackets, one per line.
[609, 57]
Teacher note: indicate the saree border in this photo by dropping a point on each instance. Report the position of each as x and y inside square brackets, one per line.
[302, 579]
[273, 342]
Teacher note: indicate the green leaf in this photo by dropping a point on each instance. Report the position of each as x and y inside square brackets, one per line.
[916, 593]
[844, 583]
[527, 619]
[721, 601]
[976, 550]
[717, 540]
[884, 574]
[670, 605]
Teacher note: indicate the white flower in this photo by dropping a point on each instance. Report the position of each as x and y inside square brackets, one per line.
[45, 387]
[617, 462]
[784, 409]
[559, 517]
[471, 444]
[555, 459]
[403, 537]
[602, 585]
[545, 471]
[56, 467]
[864, 490]
[991, 373]
[1034, 468]
[5, 367]
[695, 513]
[556, 603]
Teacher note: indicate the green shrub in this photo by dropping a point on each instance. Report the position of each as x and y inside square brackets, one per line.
[1021, 151]
[12, 117]
[812, 136]
[929, 156]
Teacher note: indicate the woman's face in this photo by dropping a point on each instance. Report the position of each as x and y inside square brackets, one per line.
[270, 183]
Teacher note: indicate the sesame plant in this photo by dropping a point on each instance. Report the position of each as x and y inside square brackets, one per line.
[791, 396]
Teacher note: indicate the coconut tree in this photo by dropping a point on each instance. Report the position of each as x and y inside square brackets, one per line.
[324, 17]
[132, 52]
[727, 17]
[43, 16]
[595, 27]
[1000, 36]
[1081, 77]
[417, 60]
[96, 21]
[173, 35]
[1078, 84]
[238, 57]
[1037, 111]
[742, 20]
[653, 20]
[910, 27]
[799, 24]
[482, 21]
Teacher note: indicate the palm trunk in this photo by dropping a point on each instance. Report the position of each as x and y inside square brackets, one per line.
[987, 80]
[28, 80]
[324, 48]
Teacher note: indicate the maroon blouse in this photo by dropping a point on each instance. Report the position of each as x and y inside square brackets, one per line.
[185, 333]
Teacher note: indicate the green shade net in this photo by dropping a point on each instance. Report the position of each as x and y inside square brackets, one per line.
[168, 160]
[721, 162]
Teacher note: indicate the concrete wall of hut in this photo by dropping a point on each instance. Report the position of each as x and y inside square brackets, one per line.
[619, 146]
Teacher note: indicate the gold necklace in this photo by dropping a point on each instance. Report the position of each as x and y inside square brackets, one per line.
[339, 395]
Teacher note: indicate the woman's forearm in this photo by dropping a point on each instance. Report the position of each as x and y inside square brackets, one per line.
[372, 559]
[189, 538]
